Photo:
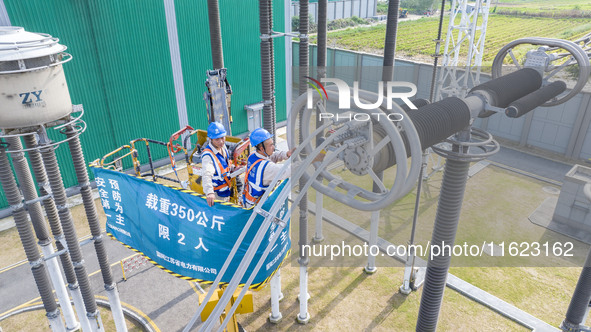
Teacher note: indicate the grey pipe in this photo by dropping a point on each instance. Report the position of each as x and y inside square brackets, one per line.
[390, 41]
[453, 187]
[49, 205]
[25, 233]
[215, 34]
[59, 195]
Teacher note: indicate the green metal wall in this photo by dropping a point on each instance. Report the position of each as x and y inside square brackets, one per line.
[122, 72]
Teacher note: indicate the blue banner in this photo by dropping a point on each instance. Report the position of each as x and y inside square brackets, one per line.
[180, 232]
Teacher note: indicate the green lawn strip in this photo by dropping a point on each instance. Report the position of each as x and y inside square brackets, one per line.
[496, 207]
[416, 37]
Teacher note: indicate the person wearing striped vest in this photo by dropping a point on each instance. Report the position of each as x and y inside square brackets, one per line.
[216, 165]
[262, 166]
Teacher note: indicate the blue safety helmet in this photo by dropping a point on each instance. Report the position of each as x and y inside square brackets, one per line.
[216, 130]
[258, 136]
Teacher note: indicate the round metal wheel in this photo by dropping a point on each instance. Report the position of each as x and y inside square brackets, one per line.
[369, 143]
[555, 59]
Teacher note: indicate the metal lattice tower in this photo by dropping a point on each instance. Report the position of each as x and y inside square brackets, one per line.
[467, 28]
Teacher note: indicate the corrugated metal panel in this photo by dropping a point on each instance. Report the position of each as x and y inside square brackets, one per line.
[69, 22]
[135, 61]
[122, 72]
[241, 44]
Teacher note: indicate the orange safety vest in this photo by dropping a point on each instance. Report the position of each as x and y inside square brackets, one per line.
[220, 179]
[248, 198]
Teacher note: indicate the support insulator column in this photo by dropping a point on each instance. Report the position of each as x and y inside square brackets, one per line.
[23, 174]
[59, 195]
[95, 229]
[446, 224]
[303, 316]
[390, 41]
[273, 113]
[321, 72]
[579, 304]
[56, 229]
[453, 186]
[215, 34]
[28, 240]
[266, 66]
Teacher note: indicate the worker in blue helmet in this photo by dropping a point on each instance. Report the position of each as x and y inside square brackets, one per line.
[262, 166]
[216, 165]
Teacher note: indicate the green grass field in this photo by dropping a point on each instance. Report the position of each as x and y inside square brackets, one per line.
[415, 38]
[544, 6]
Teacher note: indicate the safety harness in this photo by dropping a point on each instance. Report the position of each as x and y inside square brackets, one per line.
[220, 170]
[250, 200]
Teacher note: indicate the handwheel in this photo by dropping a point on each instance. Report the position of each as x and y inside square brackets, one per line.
[370, 140]
[553, 58]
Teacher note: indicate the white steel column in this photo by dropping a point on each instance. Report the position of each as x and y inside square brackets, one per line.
[55, 274]
[116, 310]
[55, 322]
[303, 316]
[79, 306]
[373, 242]
[276, 295]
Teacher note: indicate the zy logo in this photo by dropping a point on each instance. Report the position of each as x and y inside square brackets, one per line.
[28, 97]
